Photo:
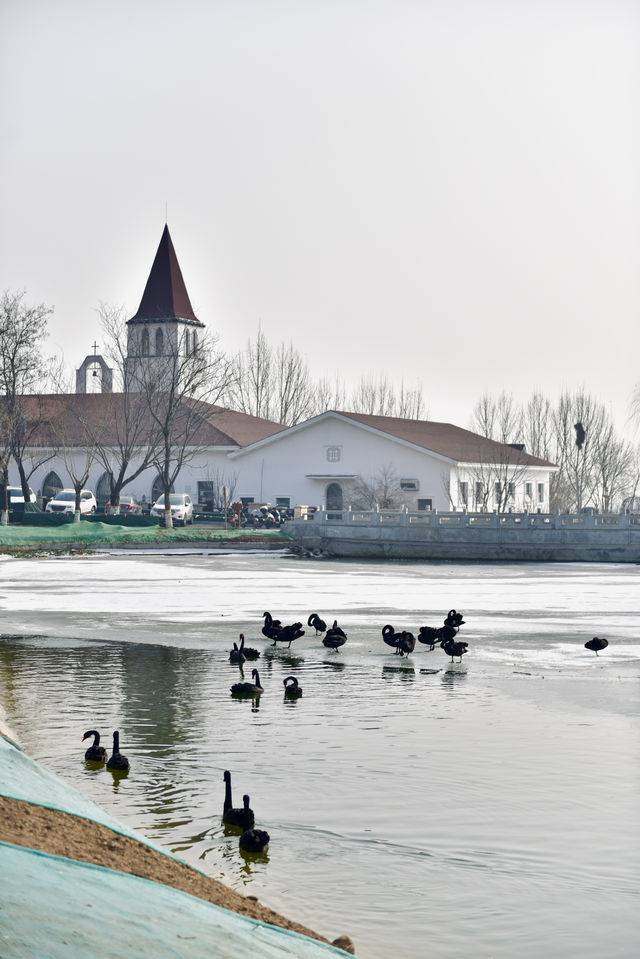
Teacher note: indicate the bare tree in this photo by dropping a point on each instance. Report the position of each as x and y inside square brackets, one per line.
[499, 420]
[328, 395]
[76, 430]
[379, 490]
[379, 397]
[23, 370]
[293, 390]
[177, 393]
[579, 477]
[613, 461]
[127, 446]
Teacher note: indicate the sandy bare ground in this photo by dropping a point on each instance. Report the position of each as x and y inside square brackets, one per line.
[72, 837]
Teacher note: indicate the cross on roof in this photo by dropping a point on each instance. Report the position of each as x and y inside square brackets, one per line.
[95, 348]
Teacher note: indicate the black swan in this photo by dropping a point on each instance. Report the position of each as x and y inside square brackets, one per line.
[288, 633]
[254, 840]
[390, 636]
[318, 624]
[406, 643]
[248, 689]
[95, 753]
[248, 651]
[117, 761]
[244, 818]
[271, 626]
[595, 644]
[237, 655]
[429, 635]
[291, 687]
[452, 648]
[335, 637]
[454, 619]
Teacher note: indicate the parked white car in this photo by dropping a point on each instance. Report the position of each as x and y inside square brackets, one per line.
[15, 495]
[181, 508]
[65, 502]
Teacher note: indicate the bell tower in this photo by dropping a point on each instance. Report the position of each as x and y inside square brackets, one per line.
[165, 323]
[94, 376]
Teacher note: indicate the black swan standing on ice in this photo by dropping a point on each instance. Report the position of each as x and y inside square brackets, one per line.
[406, 643]
[453, 619]
[390, 636]
[117, 762]
[248, 689]
[595, 644]
[254, 840]
[244, 818]
[288, 633]
[335, 637]
[271, 626]
[452, 648]
[429, 635]
[318, 624]
[95, 753]
[291, 687]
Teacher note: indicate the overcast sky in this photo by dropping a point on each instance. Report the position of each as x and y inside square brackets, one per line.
[441, 191]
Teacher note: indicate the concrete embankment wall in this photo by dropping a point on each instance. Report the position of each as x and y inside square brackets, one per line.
[471, 536]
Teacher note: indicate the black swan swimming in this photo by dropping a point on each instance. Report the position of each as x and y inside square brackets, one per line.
[117, 761]
[288, 633]
[244, 818]
[452, 648]
[291, 687]
[237, 655]
[335, 637]
[254, 840]
[318, 624]
[406, 643]
[248, 689]
[271, 626]
[595, 644]
[248, 651]
[95, 753]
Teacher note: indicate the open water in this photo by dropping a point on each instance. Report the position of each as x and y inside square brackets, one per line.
[427, 808]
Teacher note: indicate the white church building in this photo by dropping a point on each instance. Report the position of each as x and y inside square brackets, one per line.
[335, 460]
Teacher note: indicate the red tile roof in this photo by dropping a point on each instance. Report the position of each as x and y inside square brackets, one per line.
[448, 440]
[165, 296]
[63, 417]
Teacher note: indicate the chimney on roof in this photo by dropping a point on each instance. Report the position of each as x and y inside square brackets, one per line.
[517, 446]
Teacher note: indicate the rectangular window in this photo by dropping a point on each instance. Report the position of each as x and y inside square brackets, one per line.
[425, 504]
[528, 490]
[498, 492]
[479, 494]
[463, 493]
[283, 502]
[409, 484]
[205, 494]
[541, 492]
[247, 500]
[334, 454]
[512, 491]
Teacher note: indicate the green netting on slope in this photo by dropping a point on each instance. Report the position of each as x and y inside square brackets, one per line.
[92, 534]
[56, 908]
[60, 908]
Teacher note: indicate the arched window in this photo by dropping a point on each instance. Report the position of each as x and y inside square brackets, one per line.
[103, 490]
[194, 342]
[52, 485]
[144, 343]
[159, 342]
[187, 342]
[334, 496]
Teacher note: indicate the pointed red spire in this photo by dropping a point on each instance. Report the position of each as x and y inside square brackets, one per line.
[165, 296]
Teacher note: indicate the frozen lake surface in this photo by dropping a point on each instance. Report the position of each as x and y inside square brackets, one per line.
[483, 809]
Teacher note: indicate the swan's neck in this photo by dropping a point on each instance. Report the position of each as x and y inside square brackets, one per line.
[227, 794]
[116, 742]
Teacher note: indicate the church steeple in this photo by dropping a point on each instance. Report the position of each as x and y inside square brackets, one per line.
[165, 325]
[165, 297]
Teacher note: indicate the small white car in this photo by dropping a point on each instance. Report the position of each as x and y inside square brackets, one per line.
[15, 495]
[65, 502]
[181, 508]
